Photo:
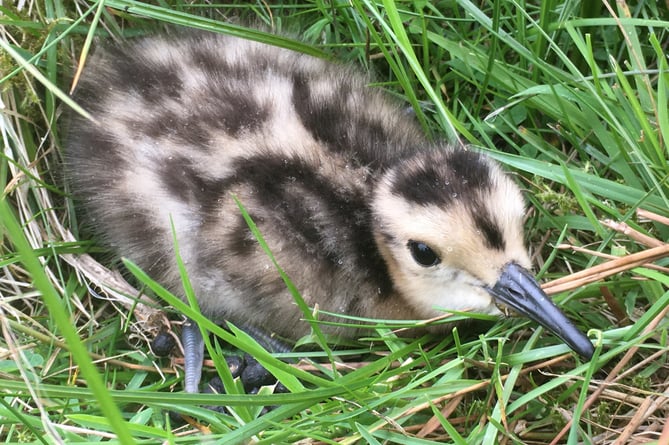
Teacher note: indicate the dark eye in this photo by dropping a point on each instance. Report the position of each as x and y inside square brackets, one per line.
[423, 254]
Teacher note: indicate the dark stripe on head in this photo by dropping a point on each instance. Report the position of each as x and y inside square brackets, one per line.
[492, 234]
[449, 177]
[443, 177]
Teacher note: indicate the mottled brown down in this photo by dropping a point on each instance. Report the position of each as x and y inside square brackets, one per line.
[350, 196]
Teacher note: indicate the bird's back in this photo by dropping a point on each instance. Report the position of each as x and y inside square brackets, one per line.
[184, 123]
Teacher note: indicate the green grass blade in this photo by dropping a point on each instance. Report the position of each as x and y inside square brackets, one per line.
[95, 382]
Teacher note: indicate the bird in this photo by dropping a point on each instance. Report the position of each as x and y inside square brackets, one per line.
[366, 215]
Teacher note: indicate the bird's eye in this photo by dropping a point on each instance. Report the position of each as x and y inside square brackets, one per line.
[423, 254]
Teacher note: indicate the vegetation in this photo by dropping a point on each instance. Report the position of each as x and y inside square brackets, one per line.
[572, 96]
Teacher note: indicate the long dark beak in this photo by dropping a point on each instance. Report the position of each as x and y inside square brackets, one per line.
[518, 290]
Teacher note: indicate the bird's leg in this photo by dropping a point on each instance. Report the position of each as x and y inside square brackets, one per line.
[266, 340]
[252, 373]
[193, 344]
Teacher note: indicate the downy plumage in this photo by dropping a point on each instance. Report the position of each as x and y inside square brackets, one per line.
[365, 215]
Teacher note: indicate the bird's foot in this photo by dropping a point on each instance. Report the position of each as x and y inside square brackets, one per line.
[251, 373]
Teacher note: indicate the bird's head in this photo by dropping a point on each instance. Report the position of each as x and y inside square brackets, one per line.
[449, 225]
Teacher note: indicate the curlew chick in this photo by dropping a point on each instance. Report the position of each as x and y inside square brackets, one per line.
[365, 215]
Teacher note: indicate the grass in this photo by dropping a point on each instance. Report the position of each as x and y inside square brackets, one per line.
[571, 96]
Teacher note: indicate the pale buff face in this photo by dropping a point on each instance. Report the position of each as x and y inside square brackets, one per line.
[466, 260]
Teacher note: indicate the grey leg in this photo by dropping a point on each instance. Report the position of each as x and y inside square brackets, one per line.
[193, 344]
[252, 373]
[266, 340]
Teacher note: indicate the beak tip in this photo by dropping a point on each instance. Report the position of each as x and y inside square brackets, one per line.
[518, 290]
[584, 348]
